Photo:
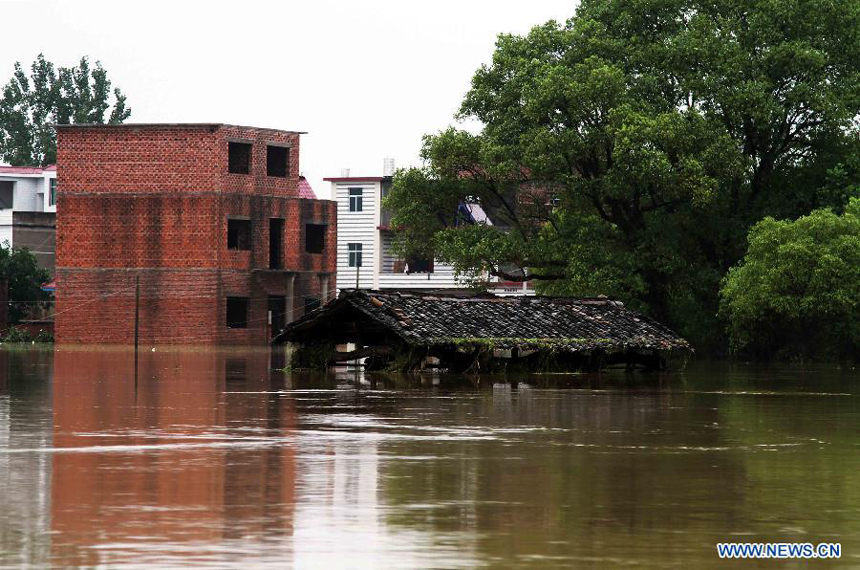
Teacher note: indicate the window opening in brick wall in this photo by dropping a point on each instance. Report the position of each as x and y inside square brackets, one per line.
[237, 312]
[354, 254]
[239, 234]
[315, 237]
[278, 309]
[278, 161]
[356, 199]
[276, 243]
[239, 158]
[311, 303]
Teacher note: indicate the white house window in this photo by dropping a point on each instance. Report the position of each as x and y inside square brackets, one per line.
[52, 197]
[7, 194]
[354, 251]
[356, 199]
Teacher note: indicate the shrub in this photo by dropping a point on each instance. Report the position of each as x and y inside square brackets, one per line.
[796, 294]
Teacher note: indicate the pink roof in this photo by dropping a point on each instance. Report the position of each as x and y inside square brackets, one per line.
[305, 190]
[356, 178]
[25, 169]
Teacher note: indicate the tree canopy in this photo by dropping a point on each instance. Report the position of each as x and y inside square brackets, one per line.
[798, 288]
[24, 277]
[628, 151]
[53, 95]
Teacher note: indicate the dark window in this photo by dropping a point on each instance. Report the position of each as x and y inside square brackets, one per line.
[239, 234]
[7, 190]
[315, 237]
[277, 161]
[354, 254]
[237, 312]
[419, 265]
[276, 243]
[356, 199]
[52, 198]
[278, 310]
[239, 158]
[311, 303]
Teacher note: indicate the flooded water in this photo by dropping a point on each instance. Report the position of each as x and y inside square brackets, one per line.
[211, 460]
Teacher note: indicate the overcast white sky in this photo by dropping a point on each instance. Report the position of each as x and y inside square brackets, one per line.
[365, 78]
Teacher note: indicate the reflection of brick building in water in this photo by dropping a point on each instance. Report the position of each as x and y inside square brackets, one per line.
[214, 220]
[198, 454]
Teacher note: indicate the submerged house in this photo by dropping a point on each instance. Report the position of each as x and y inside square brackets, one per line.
[398, 330]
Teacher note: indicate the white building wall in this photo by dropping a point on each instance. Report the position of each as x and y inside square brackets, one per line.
[6, 226]
[24, 199]
[31, 193]
[377, 261]
[45, 190]
[357, 227]
[441, 277]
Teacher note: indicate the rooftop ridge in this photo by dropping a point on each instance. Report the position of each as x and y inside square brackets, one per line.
[169, 126]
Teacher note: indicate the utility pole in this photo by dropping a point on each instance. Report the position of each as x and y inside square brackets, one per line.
[136, 323]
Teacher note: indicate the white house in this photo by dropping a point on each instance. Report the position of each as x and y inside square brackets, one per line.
[28, 206]
[365, 239]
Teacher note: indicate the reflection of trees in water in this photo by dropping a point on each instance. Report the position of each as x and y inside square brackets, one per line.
[570, 473]
[803, 467]
[24, 478]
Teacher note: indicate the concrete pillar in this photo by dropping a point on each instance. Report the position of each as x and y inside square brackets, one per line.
[291, 298]
[324, 292]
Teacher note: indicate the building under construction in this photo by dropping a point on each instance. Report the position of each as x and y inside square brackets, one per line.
[226, 240]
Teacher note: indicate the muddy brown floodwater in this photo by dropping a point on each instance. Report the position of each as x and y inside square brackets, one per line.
[213, 460]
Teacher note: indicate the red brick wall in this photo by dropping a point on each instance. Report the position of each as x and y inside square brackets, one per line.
[187, 230]
[142, 230]
[177, 307]
[154, 202]
[189, 158]
[257, 182]
[145, 159]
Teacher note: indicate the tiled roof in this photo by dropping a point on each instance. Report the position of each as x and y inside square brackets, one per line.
[305, 190]
[4, 169]
[568, 324]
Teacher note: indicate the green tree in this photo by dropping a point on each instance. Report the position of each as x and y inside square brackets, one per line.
[629, 150]
[25, 278]
[31, 105]
[797, 290]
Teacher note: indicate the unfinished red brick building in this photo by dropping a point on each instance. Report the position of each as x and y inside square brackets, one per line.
[208, 219]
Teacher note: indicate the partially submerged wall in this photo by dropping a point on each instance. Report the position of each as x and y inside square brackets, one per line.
[157, 203]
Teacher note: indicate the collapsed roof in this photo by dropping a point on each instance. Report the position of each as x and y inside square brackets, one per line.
[439, 319]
